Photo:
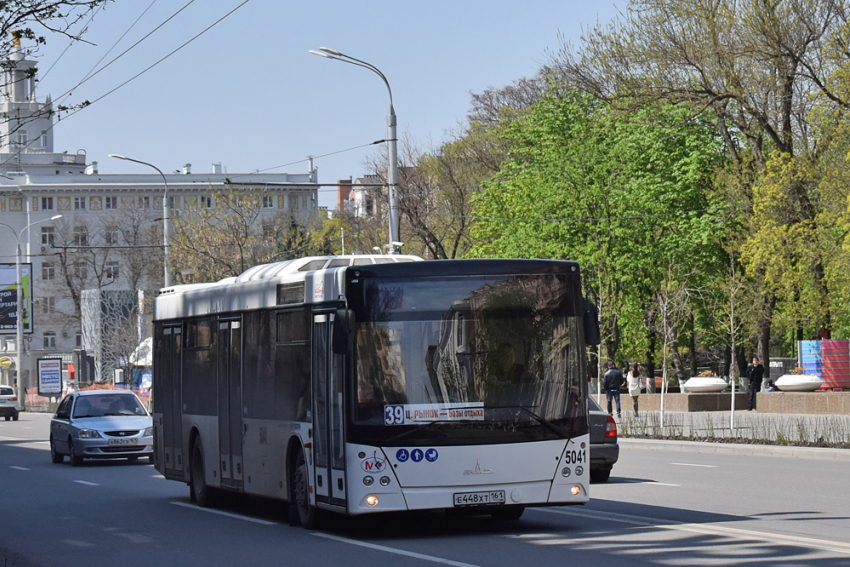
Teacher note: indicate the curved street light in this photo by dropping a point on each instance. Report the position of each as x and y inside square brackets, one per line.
[19, 316]
[166, 216]
[392, 139]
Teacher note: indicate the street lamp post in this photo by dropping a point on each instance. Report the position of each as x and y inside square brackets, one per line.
[19, 315]
[392, 140]
[166, 216]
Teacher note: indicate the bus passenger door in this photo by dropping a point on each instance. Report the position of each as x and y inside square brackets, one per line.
[229, 370]
[328, 438]
[170, 398]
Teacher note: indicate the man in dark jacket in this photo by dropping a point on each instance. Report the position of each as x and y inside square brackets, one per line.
[755, 373]
[612, 381]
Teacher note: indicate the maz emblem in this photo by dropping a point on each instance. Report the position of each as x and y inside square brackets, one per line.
[478, 469]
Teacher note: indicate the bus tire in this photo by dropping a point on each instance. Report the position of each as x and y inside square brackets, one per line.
[199, 492]
[600, 475]
[508, 513]
[308, 516]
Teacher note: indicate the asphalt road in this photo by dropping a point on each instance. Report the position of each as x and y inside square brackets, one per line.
[666, 504]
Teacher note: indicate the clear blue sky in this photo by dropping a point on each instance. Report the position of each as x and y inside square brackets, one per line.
[249, 95]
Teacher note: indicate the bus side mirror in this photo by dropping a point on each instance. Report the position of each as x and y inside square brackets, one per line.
[343, 330]
[592, 336]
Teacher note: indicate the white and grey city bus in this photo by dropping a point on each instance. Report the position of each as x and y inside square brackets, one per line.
[361, 384]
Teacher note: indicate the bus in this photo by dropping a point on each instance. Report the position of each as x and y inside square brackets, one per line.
[366, 384]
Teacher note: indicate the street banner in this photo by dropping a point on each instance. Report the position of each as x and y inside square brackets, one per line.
[9, 298]
[49, 376]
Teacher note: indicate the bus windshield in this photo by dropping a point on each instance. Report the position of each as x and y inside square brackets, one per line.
[457, 358]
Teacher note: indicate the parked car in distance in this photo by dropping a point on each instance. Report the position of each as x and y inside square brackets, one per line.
[101, 424]
[604, 450]
[8, 403]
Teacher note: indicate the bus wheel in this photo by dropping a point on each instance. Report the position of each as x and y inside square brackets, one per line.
[309, 516]
[199, 492]
[508, 513]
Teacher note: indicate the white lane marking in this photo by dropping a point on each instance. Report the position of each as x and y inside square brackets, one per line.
[18, 468]
[707, 529]
[694, 465]
[228, 514]
[377, 547]
[87, 483]
[78, 543]
[136, 538]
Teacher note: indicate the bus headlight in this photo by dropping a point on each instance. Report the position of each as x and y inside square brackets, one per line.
[576, 490]
[372, 500]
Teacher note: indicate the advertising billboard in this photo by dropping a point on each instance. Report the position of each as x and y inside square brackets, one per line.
[49, 376]
[9, 298]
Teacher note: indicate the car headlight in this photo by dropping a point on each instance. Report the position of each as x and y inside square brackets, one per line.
[148, 431]
[89, 433]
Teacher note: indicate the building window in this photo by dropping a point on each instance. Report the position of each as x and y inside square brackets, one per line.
[48, 305]
[81, 270]
[47, 235]
[44, 138]
[49, 340]
[81, 236]
[145, 202]
[268, 201]
[111, 203]
[111, 272]
[111, 236]
[47, 203]
[48, 271]
[78, 340]
[22, 138]
[79, 203]
[174, 202]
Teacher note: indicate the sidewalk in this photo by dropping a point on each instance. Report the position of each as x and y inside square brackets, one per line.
[705, 447]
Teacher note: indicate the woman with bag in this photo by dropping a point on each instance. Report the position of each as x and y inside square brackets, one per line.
[634, 380]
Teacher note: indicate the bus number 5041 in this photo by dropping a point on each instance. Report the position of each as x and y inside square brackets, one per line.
[572, 457]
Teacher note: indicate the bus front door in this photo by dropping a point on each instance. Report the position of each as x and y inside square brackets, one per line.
[230, 426]
[328, 438]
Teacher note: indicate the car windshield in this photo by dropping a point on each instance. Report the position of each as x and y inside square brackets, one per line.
[108, 404]
[498, 353]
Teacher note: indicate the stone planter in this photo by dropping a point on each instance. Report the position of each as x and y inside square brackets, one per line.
[798, 383]
[702, 384]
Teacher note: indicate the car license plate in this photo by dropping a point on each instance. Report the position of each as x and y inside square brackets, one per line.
[122, 441]
[479, 498]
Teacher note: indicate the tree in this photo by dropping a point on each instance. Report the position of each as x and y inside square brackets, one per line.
[758, 66]
[623, 195]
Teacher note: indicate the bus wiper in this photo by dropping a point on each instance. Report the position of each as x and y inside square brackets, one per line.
[404, 434]
[539, 419]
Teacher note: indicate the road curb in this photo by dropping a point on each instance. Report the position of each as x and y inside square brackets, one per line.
[816, 453]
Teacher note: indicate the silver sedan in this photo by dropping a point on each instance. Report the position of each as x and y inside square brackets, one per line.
[101, 424]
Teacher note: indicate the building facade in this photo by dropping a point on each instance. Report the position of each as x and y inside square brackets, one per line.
[109, 235]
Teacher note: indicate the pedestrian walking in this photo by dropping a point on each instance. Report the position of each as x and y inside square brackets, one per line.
[755, 374]
[634, 380]
[612, 382]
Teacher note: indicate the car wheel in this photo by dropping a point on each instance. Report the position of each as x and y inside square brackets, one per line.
[55, 455]
[508, 513]
[199, 492]
[8, 417]
[600, 475]
[15, 416]
[75, 459]
[309, 516]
